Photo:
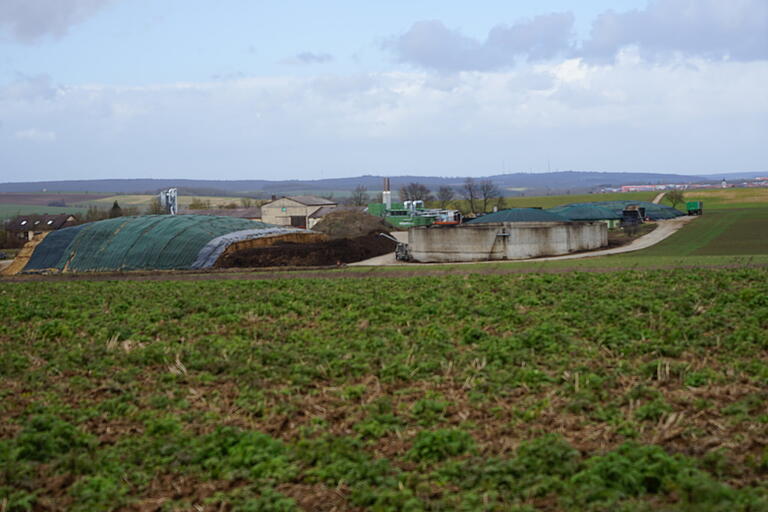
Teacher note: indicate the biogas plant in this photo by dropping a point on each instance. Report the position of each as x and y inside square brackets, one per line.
[516, 234]
[442, 236]
[338, 235]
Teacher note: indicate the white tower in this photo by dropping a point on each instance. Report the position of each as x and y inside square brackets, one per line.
[386, 195]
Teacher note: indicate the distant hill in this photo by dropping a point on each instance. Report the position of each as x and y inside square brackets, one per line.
[735, 175]
[514, 184]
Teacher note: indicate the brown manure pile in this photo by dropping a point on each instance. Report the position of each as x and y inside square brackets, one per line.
[351, 223]
[332, 252]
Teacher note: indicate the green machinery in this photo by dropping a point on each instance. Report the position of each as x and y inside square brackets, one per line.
[412, 214]
[694, 207]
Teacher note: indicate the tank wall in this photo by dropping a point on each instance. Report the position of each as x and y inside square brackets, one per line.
[509, 240]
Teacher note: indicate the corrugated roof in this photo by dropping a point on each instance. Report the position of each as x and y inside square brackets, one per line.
[311, 200]
[585, 212]
[519, 215]
[325, 210]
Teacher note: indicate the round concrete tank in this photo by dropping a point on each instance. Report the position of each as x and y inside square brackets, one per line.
[504, 240]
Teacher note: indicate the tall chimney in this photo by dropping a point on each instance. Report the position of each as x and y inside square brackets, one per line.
[386, 195]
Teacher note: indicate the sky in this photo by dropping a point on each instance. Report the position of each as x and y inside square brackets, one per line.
[250, 89]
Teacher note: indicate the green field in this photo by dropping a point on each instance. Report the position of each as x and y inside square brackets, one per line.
[713, 199]
[620, 391]
[371, 389]
[552, 201]
[8, 211]
[734, 231]
[142, 201]
[728, 198]
[555, 200]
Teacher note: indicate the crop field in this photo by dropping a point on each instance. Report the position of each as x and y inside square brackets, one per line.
[559, 200]
[713, 199]
[143, 201]
[43, 199]
[8, 211]
[28, 204]
[627, 391]
[733, 231]
[729, 198]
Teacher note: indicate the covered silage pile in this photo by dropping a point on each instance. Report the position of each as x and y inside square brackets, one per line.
[585, 212]
[652, 210]
[152, 242]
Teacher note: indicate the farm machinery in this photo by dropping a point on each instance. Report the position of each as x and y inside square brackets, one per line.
[694, 207]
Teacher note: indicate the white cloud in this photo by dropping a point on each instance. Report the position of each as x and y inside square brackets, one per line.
[715, 29]
[28, 21]
[431, 45]
[687, 116]
[661, 32]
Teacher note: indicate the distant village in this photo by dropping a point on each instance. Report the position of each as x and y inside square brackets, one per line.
[744, 183]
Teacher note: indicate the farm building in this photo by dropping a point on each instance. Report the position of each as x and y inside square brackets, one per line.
[24, 227]
[588, 212]
[155, 242]
[295, 211]
[518, 233]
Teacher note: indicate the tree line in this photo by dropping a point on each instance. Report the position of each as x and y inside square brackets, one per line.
[481, 195]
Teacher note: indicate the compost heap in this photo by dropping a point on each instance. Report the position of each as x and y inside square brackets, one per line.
[351, 223]
[354, 236]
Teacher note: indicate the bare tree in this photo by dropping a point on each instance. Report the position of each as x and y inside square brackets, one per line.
[155, 208]
[198, 204]
[95, 213]
[445, 195]
[470, 192]
[675, 197]
[488, 192]
[359, 196]
[415, 192]
[246, 202]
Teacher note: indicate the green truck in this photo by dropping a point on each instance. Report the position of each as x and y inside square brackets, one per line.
[695, 207]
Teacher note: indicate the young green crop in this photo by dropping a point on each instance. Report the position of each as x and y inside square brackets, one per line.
[578, 391]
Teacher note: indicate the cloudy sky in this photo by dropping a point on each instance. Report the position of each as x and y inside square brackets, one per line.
[238, 89]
